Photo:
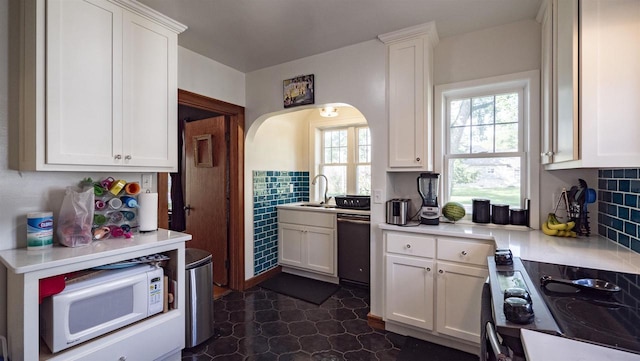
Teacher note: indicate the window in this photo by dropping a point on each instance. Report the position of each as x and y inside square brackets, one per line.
[346, 160]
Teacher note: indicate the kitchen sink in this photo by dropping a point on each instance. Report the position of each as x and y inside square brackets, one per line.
[318, 205]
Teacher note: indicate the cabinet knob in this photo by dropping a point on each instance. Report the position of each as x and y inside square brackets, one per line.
[408, 245]
[546, 154]
[122, 358]
[127, 157]
[428, 269]
[464, 253]
[440, 271]
[417, 159]
[117, 157]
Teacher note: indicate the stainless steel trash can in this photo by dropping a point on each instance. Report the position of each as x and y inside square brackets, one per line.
[199, 295]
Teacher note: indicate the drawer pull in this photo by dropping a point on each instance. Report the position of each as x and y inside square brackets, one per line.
[408, 245]
[418, 159]
[127, 157]
[122, 358]
[464, 253]
[117, 157]
[428, 269]
[441, 271]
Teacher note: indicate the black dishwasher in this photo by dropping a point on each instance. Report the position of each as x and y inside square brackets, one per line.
[353, 248]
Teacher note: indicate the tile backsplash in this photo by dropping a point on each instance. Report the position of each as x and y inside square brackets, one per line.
[271, 188]
[618, 206]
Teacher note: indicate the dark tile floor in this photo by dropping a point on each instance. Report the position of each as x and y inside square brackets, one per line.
[259, 324]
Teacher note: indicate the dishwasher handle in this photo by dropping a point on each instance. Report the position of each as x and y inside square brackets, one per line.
[356, 220]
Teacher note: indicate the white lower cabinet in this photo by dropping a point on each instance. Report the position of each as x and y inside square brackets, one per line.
[435, 283]
[458, 300]
[307, 241]
[410, 281]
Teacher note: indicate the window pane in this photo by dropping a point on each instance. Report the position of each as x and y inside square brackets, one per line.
[507, 108]
[364, 180]
[459, 141]
[364, 145]
[337, 176]
[497, 179]
[507, 137]
[482, 110]
[459, 111]
[482, 139]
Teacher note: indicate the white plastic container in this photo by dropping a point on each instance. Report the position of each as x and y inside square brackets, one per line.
[39, 230]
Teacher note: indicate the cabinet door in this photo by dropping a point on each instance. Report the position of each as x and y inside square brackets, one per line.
[290, 245]
[546, 86]
[320, 249]
[407, 117]
[458, 300]
[409, 291]
[565, 64]
[84, 81]
[150, 93]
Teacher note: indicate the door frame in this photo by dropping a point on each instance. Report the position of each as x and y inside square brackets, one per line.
[236, 181]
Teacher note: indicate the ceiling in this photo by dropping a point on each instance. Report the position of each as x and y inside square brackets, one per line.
[253, 34]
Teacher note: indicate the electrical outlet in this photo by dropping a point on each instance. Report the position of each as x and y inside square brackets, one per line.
[147, 180]
[290, 187]
[377, 196]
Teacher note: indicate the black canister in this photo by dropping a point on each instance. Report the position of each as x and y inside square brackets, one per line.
[500, 213]
[518, 216]
[481, 212]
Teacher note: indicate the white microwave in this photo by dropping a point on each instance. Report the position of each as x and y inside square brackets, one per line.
[100, 303]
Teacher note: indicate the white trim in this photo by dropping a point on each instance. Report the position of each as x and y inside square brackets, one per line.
[151, 14]
[529, 82]
[428, 29]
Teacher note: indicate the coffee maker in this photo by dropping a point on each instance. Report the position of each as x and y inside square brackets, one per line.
[428, 189]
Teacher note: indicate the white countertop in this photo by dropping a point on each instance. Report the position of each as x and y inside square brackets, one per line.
[533, 245]
[540, 346]
[22, 260]
[328, 209]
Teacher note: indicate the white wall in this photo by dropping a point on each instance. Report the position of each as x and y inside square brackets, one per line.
[353, 75]
[201, 75]
[267, 150]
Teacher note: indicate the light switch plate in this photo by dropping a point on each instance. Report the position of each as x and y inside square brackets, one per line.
[377, 196]
[147, 181]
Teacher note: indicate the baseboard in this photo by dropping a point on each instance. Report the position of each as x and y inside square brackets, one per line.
[254, 281]
[375, 322]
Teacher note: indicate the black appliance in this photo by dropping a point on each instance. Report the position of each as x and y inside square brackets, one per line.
[610, 319]
[428, 189]
[353, 248]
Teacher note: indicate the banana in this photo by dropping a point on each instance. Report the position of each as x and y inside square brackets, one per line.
[548, 231]
[555, 224]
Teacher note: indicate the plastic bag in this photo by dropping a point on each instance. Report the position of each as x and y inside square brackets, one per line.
[76, 217]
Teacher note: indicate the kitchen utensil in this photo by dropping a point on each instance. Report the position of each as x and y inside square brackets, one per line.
[503, 257]
[398, 211]
[591, 196]
[589, 284]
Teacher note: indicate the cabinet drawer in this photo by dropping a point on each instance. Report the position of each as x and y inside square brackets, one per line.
[464, 251]
[411, 245]
[307, 218]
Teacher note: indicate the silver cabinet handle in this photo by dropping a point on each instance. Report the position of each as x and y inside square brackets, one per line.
[117, 157]
[428, 269]
[546, 154]
[464, 253]
[408, 245]
[127, 157]
[440, 271]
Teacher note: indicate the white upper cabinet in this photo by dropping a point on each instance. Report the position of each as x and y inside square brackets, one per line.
[592, 115]
[100, 87]
[409, 97]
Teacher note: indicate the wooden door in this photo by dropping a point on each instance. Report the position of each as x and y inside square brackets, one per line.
[206, 190]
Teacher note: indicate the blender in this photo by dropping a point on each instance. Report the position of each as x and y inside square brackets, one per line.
[428, 189]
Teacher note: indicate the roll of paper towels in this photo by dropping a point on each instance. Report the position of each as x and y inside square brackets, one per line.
[148, 211]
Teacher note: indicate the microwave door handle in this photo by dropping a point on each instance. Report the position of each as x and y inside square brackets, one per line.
[495, 344]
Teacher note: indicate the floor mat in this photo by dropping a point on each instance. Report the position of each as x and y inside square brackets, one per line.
[418, 350]
[303, 288]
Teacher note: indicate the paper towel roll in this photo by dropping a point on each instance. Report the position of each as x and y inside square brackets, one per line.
[148, 211]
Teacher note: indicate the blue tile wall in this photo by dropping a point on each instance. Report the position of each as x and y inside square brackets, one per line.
[271, 188]
[618, 202]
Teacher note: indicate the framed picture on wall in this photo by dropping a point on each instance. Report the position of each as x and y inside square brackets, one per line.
[298, 91]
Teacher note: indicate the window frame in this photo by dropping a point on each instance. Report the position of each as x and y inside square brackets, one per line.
[316, 154]
[529, 83]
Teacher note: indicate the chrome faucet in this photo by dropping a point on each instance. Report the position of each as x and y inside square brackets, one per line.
[326, 186]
